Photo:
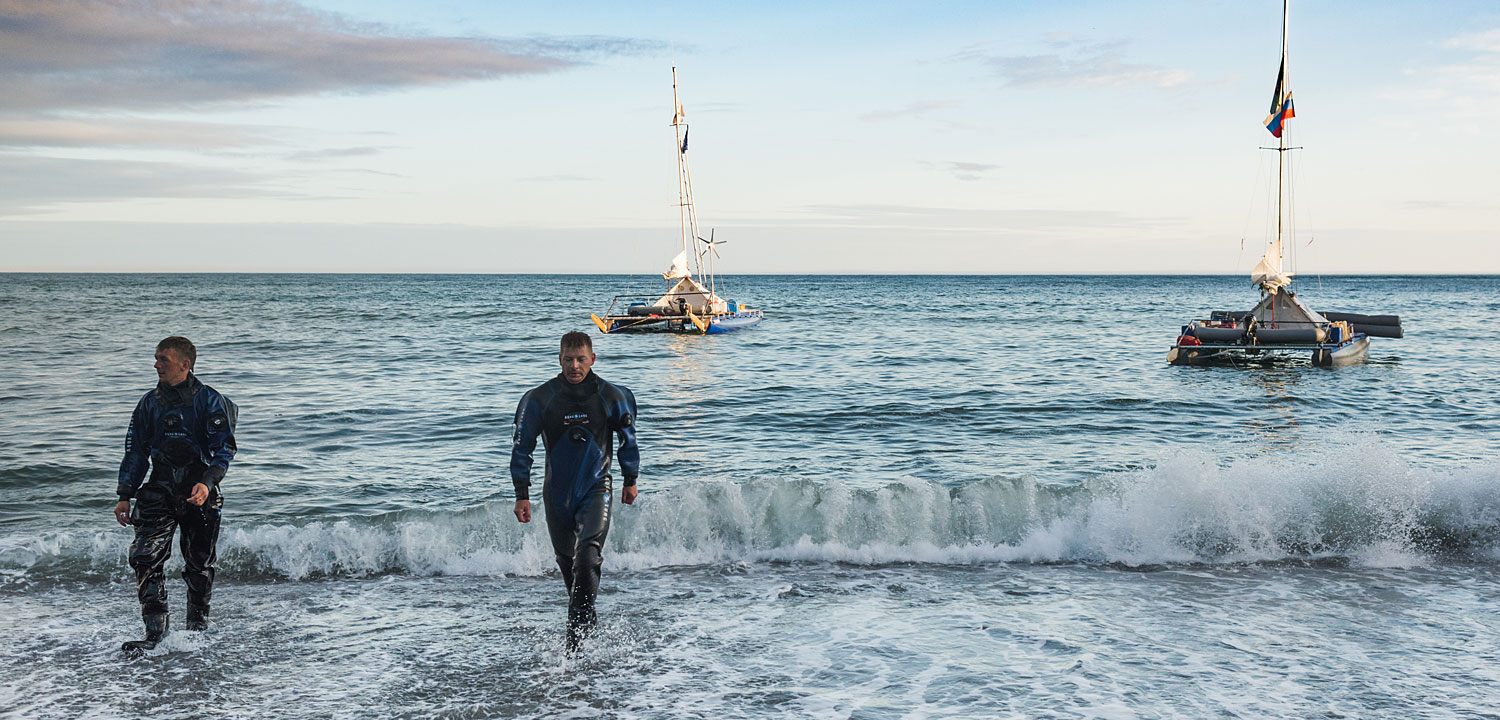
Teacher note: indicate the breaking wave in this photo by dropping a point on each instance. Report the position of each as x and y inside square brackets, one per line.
[1357, 503]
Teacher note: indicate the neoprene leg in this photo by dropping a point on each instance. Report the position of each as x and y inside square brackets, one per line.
[200, 535]
[592, 518]
[149, 552]
[565, 564]
[562, 530]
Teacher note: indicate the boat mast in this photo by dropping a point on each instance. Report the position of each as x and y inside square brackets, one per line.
[1281, 147]
[1270, 272]
[689, 215]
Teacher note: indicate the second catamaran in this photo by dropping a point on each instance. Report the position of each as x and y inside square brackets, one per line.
[691, 303]
[1280, 324]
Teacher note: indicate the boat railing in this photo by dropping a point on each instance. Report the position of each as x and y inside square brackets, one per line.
[648, 299]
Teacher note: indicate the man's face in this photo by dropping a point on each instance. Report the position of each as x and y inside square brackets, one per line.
[171, 367]
[576, 363]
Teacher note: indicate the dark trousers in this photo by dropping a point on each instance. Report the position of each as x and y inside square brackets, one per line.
[578, 531]
[157, 514]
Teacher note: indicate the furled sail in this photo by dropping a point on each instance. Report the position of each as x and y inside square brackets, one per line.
[1268, 273]
[679, 267]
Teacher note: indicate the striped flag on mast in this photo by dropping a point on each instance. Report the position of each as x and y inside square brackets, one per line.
[1281, 103]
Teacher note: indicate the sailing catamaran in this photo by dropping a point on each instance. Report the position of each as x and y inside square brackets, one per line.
[1280, 324]
[690, 305]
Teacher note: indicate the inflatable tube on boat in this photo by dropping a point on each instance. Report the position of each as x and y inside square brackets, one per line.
[1356, 318]
[1289, 336]
[1384, 331]
[1218, 336]
[647, 310]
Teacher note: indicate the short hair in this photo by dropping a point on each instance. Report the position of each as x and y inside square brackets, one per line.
[576, 339]
[180, 345]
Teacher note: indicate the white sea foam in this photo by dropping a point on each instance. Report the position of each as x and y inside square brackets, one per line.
[1356, 502]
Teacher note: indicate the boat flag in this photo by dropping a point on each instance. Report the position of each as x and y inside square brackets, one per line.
[685, 129]
[1281, 103]
[1275, 119]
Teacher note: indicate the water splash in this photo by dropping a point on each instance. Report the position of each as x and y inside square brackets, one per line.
[1355, 502]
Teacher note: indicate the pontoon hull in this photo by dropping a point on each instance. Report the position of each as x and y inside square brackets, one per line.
[684, 324]
[733, 321]
[1349, 353]
[1322, 354]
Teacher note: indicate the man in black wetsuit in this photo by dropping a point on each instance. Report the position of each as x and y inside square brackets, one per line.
[577, 414]
[184, 430]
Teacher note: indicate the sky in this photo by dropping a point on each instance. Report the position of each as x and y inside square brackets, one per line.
[868, 137]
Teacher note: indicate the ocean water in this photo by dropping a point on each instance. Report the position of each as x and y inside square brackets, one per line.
[898, 497]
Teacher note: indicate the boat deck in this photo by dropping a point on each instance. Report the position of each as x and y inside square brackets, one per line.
[707, 324]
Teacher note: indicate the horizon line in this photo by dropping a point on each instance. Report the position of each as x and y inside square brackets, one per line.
[738, 274]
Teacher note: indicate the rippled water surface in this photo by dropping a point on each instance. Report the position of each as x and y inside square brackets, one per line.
[897, 497]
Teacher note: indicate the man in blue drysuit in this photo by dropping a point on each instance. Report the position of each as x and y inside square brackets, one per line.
[184, 431]
[577, 414]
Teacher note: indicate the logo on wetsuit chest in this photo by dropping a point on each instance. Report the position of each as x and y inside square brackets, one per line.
[577, 426]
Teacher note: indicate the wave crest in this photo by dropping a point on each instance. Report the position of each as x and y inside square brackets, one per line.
[1358, 503]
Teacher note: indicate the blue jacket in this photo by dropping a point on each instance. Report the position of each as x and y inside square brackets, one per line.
[178, 428]
[577, 424]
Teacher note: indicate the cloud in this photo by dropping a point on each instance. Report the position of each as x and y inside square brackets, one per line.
[124, 132]
[1481, 70]
[165, 54]
[33, 183]
[559, 178]
[1446, 205]
[916, 109]
[335, 153]
[964, 170]
[978, 219]
[1077, 63]
[1487, 41]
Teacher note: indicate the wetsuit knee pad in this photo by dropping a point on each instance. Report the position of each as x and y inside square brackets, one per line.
[590, 556]
[150, 550]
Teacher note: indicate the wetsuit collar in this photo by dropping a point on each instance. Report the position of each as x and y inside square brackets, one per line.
[588, 382]
[180, 394]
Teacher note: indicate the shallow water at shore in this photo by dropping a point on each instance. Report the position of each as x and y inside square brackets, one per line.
[965, 496]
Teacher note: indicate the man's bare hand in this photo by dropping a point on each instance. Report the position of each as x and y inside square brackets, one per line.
[199, 495]
[627, 494]
[523, 510]
[122, 512]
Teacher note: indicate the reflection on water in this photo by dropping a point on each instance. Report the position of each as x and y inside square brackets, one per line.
[1275, 424]
[684, 398]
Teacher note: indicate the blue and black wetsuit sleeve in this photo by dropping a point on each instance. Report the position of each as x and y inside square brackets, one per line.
[528, 426]
[137, 450]
[630, 453]
[218, 434]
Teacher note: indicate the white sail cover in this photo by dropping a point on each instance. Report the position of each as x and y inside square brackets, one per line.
[679, 267]
[1268, 273]
[1284, 310]
[699, 299]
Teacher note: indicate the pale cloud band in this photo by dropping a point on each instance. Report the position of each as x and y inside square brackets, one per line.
[165, 54]
[1078, 63]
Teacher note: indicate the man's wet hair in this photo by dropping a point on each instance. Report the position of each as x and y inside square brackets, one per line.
[180, 345]
[576, 339]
